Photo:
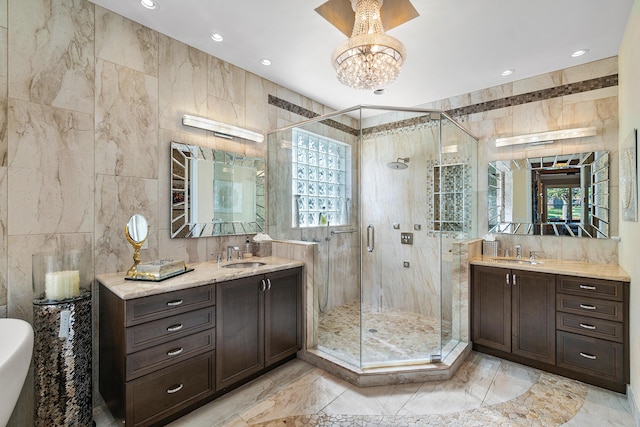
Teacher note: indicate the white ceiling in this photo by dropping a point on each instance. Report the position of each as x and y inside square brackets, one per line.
[453, 47]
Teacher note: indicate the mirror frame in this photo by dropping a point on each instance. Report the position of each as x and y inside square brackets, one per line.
[597, 201]
[181, 156]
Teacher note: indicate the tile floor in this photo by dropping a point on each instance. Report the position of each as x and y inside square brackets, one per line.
[340, 335]
[485, 391]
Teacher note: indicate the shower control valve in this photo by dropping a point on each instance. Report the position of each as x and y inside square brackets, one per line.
[406, 238]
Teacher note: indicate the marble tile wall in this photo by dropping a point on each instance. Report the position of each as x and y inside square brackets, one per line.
[87, 114]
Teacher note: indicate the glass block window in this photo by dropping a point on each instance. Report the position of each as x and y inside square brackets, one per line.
[321, 179]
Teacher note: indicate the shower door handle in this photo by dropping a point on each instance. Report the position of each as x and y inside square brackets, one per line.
[371, 238]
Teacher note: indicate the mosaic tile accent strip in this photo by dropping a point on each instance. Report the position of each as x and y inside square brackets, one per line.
[540, 95]
[551, 401]
[509, 101]
[303, 112]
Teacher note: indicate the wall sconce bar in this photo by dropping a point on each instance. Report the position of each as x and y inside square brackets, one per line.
[221, 129]
[546, 137]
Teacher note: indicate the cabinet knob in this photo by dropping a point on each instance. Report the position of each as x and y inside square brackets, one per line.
[175, 389]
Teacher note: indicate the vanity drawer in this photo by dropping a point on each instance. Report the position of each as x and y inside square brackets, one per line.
[601, 309]
[159, 331]
[590, 326]
[153, 307]
[155, 396]
[160, 356]
[592, 356]
[591, 287]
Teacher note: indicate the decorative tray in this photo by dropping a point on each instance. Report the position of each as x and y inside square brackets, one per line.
[160, 279]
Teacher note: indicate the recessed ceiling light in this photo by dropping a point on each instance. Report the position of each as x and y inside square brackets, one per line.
[507, 72]
[579, 53]
[379, 91]
[265, 61]
[149, 4]
[217, 37]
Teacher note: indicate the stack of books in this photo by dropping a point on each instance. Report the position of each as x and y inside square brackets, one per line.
[161, 269]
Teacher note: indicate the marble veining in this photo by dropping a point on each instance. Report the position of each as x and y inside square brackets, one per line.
[204, 273]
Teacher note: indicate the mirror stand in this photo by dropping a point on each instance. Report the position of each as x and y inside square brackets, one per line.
[133, 271]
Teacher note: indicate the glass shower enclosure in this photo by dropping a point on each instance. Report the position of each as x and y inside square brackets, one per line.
[386, 193]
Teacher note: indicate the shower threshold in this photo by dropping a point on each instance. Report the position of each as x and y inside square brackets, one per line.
[388, 374]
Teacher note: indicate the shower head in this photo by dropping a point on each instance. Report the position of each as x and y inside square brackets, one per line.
[401, 163]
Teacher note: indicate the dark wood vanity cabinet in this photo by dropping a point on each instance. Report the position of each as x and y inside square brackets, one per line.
[514, 312]
[259, 322]
[572, 326]
[163, 355]
[157, 353]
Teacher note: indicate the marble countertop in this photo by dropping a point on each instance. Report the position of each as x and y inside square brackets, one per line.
[204, 273]
[571, 268]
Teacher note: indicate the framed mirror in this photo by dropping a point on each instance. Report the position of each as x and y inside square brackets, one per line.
[215, 192]
[562, 195]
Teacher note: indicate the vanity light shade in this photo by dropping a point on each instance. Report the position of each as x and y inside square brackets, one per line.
[221, 129]
[546, 137]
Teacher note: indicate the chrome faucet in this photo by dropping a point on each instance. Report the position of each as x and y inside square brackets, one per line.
[532, 255]
[230, 250]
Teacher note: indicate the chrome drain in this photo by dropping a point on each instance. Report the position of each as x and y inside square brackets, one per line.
[373, 330]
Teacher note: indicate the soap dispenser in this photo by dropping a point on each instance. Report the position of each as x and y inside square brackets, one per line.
[248, 247]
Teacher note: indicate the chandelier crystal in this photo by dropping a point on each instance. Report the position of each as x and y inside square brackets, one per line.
[369, 59]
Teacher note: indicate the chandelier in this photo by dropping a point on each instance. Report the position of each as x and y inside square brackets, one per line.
[369, 59]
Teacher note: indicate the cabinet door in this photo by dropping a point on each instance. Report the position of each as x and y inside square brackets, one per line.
[491, 290]
[533, 313]
[239, 330]
[283, 315]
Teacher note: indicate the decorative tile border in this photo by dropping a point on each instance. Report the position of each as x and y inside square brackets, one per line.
[540, 95]
[509, 101]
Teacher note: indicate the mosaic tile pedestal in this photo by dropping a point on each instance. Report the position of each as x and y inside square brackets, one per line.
[62, 365]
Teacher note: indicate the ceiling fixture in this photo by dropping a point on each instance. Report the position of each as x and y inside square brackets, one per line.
[217, 37]
[265, 61]
[149, 4]
[222, 130]
[369, 59]
[546, 137]
[578, 53]
[507, 73]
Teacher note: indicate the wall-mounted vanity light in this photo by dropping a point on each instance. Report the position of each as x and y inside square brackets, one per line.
[546, 137]
[221, 129]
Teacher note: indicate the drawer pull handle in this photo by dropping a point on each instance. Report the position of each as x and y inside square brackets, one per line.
[175, 389]
[508, 278]
[588, 306]
[174, 303]
[588, 356]
[175, 352]
[584, 325]
[174, 328]
[587, 287]
[268, 284]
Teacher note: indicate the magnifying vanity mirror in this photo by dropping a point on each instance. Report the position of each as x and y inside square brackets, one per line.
[215, 193]
[562, 195]
[136, 232]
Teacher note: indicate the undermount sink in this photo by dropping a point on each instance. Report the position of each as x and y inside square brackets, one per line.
[520, 261]
[245, 264]
[16, 337]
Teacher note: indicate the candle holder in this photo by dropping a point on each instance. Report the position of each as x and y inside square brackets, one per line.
[61, 277]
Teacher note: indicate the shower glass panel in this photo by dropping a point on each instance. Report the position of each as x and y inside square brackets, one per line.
[386, 273]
